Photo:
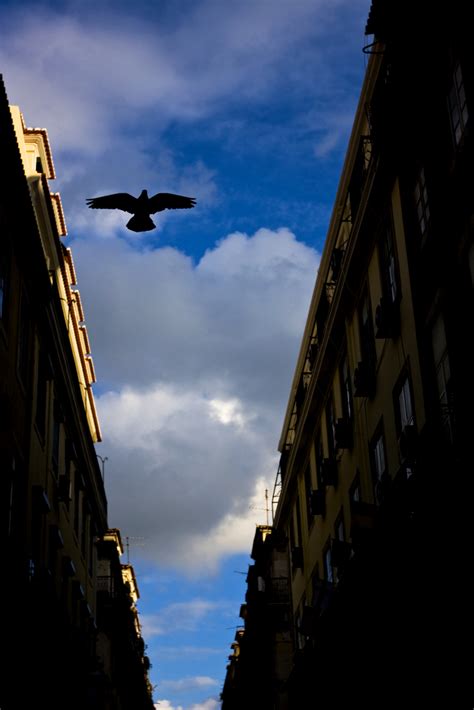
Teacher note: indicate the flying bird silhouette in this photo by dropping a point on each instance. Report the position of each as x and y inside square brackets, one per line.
[141, 207]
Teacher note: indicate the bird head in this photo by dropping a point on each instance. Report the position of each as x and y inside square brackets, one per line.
[143, 195]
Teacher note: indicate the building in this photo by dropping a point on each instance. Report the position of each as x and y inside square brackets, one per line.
[53, 506]
[262, 650]
[123, 678]
[376, 456]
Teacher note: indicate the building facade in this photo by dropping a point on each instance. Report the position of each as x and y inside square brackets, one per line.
[375, 447]
[53, 507]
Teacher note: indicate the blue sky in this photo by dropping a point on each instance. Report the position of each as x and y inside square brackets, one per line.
[195, 327]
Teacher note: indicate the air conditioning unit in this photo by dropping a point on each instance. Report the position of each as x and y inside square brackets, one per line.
[317, 502]
[329, 472]
[408, 443]
[364, 379]
[387, 319]
[343, 433]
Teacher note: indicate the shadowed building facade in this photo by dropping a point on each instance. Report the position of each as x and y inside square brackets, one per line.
[376, 454]
[53, 506]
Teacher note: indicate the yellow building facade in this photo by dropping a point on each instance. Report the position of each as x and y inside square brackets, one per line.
[53, 507]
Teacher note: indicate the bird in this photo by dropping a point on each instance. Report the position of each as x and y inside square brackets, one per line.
[141, 207]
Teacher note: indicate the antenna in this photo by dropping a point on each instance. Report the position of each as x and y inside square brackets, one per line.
[127, 545]
[266, 509]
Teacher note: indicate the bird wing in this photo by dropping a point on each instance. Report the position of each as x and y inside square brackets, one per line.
[118, 201]
[167, 201]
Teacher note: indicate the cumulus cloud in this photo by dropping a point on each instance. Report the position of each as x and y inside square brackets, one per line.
[180, 616]
[209, 704]
[108, 85]
[184, 685]
[195, 361]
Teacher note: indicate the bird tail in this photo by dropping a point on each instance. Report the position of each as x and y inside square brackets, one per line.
[141, 223]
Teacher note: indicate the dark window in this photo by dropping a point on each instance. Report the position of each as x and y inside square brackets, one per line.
[346, 388]
[92, 536]
[366, 330]
[319, 459]
[354, 493]
[388, 262]
[298, 521]
[327, 560]
[308, 488]
[330, 427]
[339, 527]
[379, 465]
[4, 274]
[77, 501]
[85, 525]
[23, 340]
[443, 377]
[422, 205]
[56, 433]
[458, 112]
[404, 414]
[41, 394]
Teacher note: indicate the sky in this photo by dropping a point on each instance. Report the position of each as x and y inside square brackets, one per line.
[195, 326]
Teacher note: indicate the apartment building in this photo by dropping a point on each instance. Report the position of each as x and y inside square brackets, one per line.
[375, 447]
[53, 507]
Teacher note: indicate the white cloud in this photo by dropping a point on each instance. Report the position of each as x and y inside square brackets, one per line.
[196, 360]
[209, 704]
[184, 685]
[180, 616]
[166, 705]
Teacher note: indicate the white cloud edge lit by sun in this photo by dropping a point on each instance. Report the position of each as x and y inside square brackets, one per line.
[209, 704]
[214, 329]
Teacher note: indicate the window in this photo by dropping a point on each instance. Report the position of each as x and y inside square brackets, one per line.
[339, 527]
[421, 203]
[366, 330]
[346, 388]
[354, 493]
[458, 112]
[23, 340]
[3, 282]
[405, 407]
[85, 525]
[470, 257]
[77, 501]
[41, 394]
[56, 433]
[327, 559]
[91, 553]
[319, 459]
[388, 265]
[379, 466]
[308, 488]
[330, 427]
[443, 377]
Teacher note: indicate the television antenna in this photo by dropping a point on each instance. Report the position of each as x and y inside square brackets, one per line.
[266, 509]
[128, 538]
